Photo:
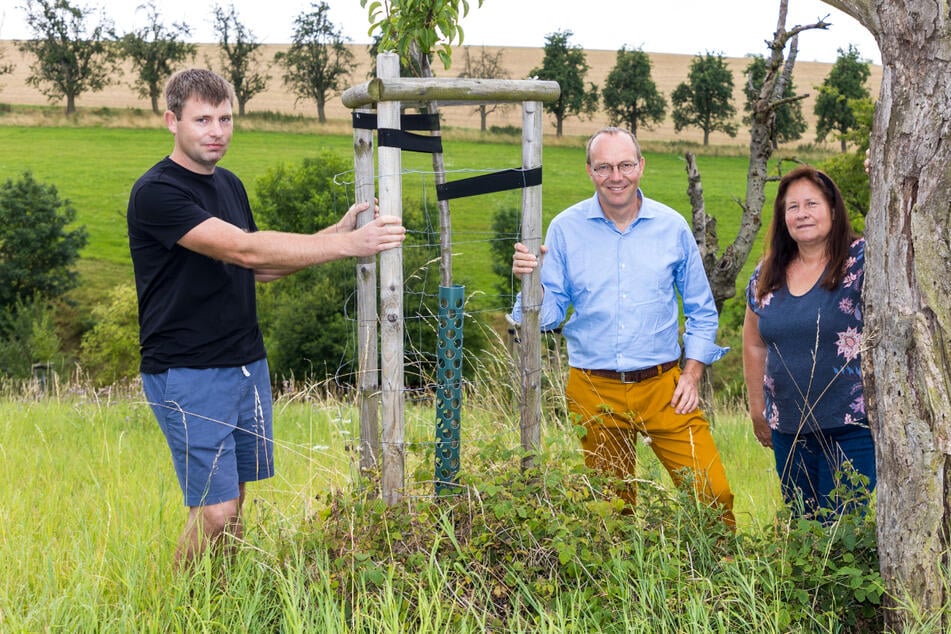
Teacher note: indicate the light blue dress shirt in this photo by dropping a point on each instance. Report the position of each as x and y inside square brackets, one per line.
[623, 289]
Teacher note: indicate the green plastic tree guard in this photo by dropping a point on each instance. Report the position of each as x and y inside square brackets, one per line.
[449, 389]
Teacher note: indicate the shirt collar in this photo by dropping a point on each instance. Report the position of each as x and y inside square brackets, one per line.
[594, 211]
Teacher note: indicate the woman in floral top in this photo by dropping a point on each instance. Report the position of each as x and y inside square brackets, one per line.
[801, 343]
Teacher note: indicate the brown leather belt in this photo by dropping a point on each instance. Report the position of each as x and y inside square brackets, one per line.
[632, 376]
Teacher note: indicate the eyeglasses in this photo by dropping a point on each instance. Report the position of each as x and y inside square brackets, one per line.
[606, 169]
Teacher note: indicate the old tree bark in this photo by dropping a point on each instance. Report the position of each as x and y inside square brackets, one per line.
[907, 294]
[722, 271]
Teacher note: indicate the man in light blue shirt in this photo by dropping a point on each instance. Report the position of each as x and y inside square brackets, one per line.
[621, 261]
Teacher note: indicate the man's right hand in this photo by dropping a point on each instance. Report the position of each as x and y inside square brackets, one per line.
[524, 261]
[382, 233]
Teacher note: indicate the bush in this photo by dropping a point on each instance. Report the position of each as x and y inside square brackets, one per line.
[506, 231]
[36, 249]
[848, 172]
[829, 563]
[309, 319]
[516, 542]
[27, 337]
[518, 547]
[506, 130]
[110, 350]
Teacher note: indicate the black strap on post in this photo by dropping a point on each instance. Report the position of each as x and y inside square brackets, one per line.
[368, 121]
[419, 122]
[490, 183]
[408, 141]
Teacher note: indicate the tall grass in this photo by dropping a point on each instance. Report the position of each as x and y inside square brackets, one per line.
[90, 512]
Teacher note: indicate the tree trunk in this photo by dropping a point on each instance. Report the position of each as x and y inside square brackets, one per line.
[439, 178]
[321, 103]
[722, 270]
[907, 367]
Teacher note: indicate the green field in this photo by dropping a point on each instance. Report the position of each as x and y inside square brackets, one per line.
[91, 510]
[95, 168]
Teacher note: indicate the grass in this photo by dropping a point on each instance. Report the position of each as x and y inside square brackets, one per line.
[88, 541]
[91, 507]
[91, 510]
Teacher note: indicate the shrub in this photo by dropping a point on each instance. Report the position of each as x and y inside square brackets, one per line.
[515, 542]
[36, 249]
[110, 349]
[830, 562]
[848, 172]
[506, 130]
[309, 319]
[506, 229]
[515, 548]
[28, 337]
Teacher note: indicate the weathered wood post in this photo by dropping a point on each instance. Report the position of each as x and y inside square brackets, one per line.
[391, 296]
[389, 92]
[531, 405]
[368, 363]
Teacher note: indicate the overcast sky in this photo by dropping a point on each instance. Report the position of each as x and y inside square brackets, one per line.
[733, 28]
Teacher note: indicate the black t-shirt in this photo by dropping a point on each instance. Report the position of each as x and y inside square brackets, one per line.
[194, 311]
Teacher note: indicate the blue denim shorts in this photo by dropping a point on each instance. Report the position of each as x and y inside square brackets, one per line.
[217, 422]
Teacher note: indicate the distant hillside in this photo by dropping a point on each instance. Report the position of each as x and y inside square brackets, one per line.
[668, 71]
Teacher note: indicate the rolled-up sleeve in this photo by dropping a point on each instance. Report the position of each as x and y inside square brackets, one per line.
[700, 309]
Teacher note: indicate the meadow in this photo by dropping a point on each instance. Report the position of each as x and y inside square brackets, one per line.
[91, 510]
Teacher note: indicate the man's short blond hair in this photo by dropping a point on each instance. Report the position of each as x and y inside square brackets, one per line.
[201, 83]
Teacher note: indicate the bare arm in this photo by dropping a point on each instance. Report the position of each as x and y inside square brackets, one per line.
[274, 254]
[347, 223]
[754, 369]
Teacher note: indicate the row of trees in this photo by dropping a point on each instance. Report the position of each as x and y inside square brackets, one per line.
[705, 99]
[72, 58]
[72, 55]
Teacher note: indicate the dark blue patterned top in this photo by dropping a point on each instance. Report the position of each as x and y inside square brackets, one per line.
[813, 374]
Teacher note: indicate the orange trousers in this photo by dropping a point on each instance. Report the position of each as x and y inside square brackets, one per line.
[614, 413]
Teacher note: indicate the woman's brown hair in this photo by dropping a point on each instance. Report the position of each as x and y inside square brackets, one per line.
[780, 246]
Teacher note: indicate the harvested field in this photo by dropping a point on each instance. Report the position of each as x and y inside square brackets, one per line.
[668, 71]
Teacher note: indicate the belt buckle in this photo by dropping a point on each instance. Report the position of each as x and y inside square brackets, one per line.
[629, 377]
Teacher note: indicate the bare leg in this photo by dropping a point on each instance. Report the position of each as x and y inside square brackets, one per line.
[213, 526]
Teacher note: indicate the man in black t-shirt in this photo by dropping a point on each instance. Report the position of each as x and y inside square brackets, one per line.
[197, 254]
